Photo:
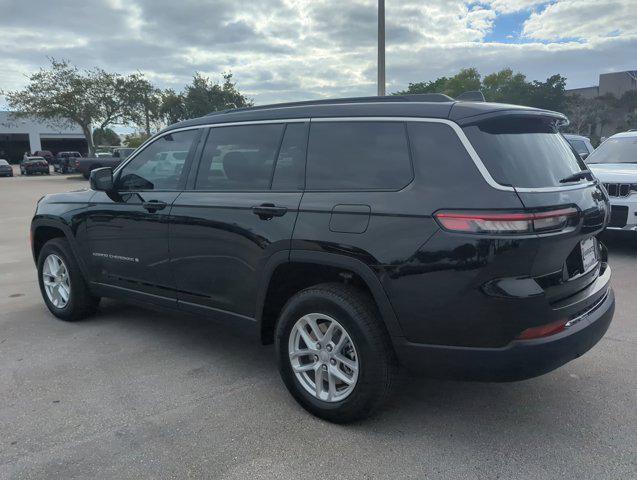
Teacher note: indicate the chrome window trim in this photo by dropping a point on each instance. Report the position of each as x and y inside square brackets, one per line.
[454, 126]
[158, 135]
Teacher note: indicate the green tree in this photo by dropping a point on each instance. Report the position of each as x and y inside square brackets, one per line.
[134, 140]
[63, 96]
[550, 95]
[468, 79]
[580, 112]
[143, 103]
[203, 96]
[172, 109]
[506, 87]
[106, 136]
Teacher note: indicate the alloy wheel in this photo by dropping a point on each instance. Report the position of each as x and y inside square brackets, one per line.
[57, 283]
[323, 357]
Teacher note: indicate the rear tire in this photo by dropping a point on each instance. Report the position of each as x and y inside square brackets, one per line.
[71, 300]
[371, 355]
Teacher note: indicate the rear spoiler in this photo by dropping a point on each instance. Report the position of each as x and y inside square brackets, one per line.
[472, 96]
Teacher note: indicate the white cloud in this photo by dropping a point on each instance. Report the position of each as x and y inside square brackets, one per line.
[283, 50]
[512, 6]
[583, 19]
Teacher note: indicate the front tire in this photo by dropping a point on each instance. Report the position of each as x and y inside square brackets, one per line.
[334, 354]
[62, 284]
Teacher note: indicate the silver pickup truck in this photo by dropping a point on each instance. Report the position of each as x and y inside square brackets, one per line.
[86, 165]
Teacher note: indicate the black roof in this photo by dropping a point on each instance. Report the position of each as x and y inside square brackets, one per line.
[423, 106]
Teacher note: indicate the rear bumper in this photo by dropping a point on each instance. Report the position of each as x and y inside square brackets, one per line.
[516, 361]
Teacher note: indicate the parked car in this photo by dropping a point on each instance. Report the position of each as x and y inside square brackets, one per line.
[582, 145]
[65, 162]
[457, 239]
[32, 165]
[614, 163]
[46, 154]
[86, 165]
[5, 169]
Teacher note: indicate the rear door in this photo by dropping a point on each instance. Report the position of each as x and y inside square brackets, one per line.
[528, 154]
[240, 208]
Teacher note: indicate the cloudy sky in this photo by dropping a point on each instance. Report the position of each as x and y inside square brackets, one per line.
[282, 50]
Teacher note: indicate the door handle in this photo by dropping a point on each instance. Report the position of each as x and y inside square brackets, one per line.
[266, 211]
[153, 205]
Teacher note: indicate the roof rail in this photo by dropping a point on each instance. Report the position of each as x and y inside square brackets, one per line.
[422, 97]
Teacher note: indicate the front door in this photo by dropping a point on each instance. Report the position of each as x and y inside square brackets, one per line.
[127, 229]
[239, 210]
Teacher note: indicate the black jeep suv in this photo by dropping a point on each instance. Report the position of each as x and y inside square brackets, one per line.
[454, 238]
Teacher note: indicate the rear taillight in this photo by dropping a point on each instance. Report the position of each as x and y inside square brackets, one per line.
[543, 330]
[506, 222]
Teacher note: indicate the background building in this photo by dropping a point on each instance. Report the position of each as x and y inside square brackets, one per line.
[616, 83]
[19, 135]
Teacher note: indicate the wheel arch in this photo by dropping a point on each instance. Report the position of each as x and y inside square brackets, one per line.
[43, 230]
[279, 280]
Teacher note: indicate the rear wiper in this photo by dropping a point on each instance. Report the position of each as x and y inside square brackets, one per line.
[578, 176]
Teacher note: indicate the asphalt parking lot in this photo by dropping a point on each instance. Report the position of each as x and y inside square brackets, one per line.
[133, 393]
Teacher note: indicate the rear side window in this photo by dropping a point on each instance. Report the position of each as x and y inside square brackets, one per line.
[524, 152]
[239, 158]
[358, 156]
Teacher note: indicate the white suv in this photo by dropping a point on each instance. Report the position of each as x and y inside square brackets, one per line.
[614, 163]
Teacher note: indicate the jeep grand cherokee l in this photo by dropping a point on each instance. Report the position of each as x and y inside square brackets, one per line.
[614, 164]
[454, 238]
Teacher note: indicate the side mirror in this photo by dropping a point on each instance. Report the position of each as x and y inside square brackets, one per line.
[101, 179]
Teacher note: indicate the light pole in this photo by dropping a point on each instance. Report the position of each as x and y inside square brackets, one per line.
[381, 48]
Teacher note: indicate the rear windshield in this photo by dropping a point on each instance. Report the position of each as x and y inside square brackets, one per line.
[524, 152]
[615, 150]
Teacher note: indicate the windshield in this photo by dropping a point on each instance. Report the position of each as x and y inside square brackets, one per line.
[524, 152]
[4, 162]
[615, 150]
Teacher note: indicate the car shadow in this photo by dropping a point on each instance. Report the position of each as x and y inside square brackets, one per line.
[418, 406]
[204, 337]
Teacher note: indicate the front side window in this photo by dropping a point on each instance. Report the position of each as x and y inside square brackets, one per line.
[524, 152]
[239, 158]
[358, 156]
[615, 150]
[160, 166]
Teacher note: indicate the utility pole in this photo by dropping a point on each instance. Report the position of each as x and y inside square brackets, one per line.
[381, 48]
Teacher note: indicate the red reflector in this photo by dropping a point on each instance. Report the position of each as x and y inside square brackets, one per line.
[543, 330]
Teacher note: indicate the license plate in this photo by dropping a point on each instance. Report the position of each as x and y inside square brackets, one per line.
[589, 255]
